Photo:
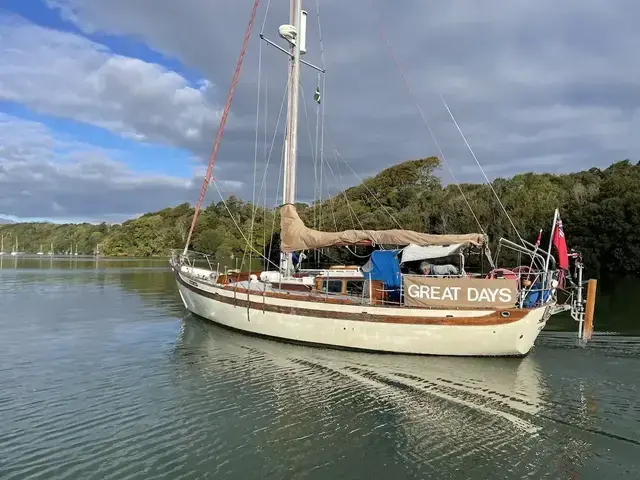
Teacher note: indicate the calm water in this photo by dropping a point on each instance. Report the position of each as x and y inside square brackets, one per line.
[103, 375]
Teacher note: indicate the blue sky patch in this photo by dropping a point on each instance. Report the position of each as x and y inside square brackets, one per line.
[142, 158]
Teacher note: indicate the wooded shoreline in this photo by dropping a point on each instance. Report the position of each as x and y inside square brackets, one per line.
[600, 210]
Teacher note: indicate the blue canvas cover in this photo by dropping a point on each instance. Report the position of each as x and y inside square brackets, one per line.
[535, 296]
[384, 265]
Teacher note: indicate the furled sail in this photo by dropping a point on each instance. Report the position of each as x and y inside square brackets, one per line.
[295, 235]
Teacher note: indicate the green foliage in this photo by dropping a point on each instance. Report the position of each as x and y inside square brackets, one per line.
[600, 210]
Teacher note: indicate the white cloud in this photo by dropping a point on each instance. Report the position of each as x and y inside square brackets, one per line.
[535, 85]
[47, 177]
[66, 75]
[495, 62]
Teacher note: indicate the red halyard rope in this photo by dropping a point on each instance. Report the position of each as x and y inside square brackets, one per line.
[223, 121]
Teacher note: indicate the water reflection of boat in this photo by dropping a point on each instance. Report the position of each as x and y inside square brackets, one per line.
[429, 411]
[501, 388]
[510, 381]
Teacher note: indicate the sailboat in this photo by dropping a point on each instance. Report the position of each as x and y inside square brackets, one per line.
[2, 245]
[15, 251]
[51, 250]
[381, 306]
[40, 252]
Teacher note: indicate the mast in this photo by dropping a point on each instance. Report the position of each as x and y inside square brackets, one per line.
[291, 134]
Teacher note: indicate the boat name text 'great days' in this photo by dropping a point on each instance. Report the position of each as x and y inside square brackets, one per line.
[468, 292]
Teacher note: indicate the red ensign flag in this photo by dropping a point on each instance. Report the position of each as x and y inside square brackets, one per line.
[561, 245]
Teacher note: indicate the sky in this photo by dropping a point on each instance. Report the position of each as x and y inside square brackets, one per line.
[109, 108]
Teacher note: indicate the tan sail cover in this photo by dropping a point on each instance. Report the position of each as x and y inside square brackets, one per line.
[295, 235]
[459, 292]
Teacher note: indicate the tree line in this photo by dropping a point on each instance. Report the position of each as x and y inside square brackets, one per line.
[600, 210]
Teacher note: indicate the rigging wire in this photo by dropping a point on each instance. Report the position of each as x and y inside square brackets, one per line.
[273, 139]
[273, 221]
[317, 207]
[255, 160]
[385, 208]
[314, 152]
[306, 116]
[224, 202]
[315, 163]
[264, 204]
[421, 113]
[336, 153]
[331, 200]
[481, 169]
[344, 190]
[266, 14]
[322, 133]
[433, 137]
[219, 186]
[255, 155]
[352, 213]
[223, 122]
[268, 156]
[323, 102]
[268, 161]
[263, 191]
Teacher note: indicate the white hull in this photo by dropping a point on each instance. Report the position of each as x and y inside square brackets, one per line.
[250, 313]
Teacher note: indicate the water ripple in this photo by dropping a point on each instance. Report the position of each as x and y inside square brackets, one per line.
[104, 377]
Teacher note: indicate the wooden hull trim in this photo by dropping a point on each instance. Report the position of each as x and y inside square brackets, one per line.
[493, 317]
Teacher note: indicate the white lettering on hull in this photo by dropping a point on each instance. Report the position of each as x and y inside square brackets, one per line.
[474, 292]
